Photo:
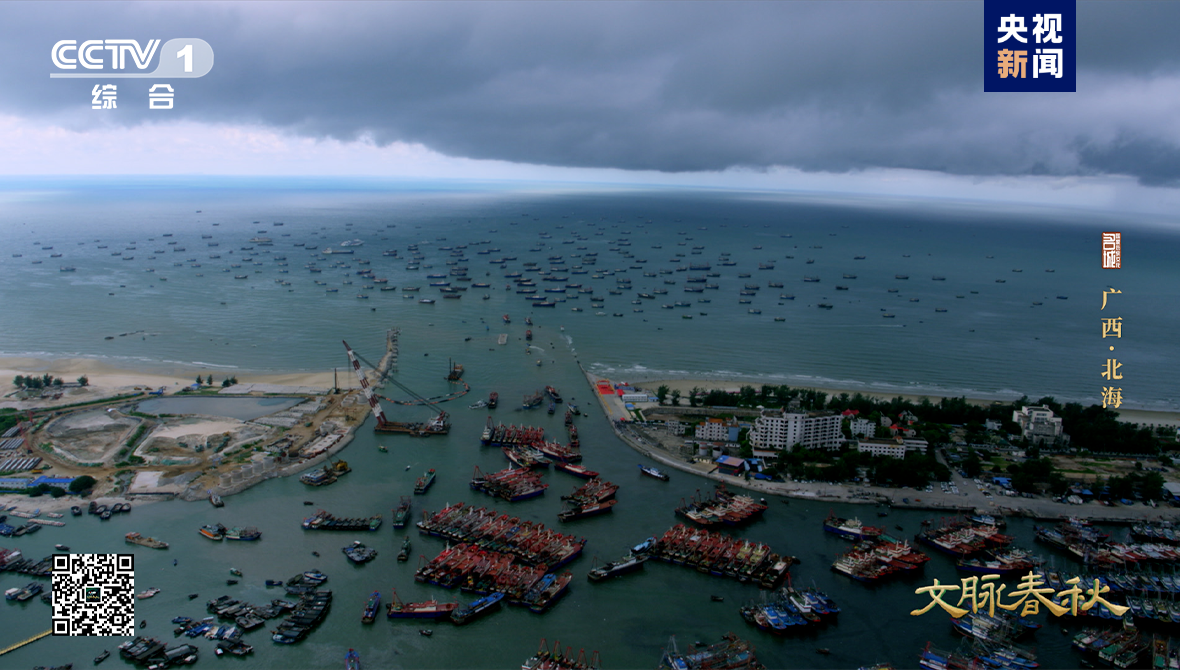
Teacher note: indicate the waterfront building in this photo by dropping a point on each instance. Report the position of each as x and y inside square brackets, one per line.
[885, 446]
[777, 429]
[717, 430]
[1037, 424]
[862, 427]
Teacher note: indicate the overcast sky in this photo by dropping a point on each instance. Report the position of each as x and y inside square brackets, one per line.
[879, 97]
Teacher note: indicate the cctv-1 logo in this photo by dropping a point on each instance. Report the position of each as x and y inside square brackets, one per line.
[186, 57]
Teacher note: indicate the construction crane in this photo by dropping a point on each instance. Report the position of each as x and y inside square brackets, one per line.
[439, 425]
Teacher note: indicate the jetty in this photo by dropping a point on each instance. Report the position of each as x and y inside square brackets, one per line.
[22, 643]
[388, 362]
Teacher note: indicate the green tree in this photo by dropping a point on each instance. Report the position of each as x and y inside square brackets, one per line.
[693, 400]
[209, 380]
[83, 381]
[57, 381]
[18, 381]
[225, 383]
[56, 491]
[82, 483]
[676, 397]
[747, 396]
[662, 393]
[200, 380]
[1152, 485]
[972, 465]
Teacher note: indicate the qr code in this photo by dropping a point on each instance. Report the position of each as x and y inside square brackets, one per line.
[94, 594]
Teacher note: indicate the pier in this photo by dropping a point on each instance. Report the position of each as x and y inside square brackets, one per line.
[22, 643]
[388, 362]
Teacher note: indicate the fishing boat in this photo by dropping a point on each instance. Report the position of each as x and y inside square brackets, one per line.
[628, 563]
[424, 482]
[102, 657]
[402, 513]
[142, 595]
[493, 400]
[247, 534]
[150, 542]
[584, 511]
[215, 532]
[429, 609]
[61, 547]
[553, 394]
[404, 554]
[371, 608]
[215, 500]
[359, 553]
[652, 472]
[236, 572]
[575, 470]
[352, 660]
[477, 608]
[851, 528]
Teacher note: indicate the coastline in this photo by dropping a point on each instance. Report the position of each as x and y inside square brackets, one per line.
[867, 495]
[1137, 416]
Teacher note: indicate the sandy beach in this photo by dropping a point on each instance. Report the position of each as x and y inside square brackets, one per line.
[1143, 417]
[107, 380]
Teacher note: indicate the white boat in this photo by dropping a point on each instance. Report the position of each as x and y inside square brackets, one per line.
[352, 243]
[330, 250]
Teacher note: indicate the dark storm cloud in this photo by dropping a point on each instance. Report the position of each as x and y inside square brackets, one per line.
[660, 86]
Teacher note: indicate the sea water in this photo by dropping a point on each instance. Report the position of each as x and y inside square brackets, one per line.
[1054, 348]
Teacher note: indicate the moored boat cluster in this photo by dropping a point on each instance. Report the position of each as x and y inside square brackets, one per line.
[791, 610]
[723, 508]
[511, 484]
[322, 520]
[529, 541]
[722, 555]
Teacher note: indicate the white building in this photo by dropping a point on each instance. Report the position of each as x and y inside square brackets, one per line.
[1038, 424]
[717, 430]
[882, 447]
[915, 444]
[862, 427]
[775, 429]
[674, 426]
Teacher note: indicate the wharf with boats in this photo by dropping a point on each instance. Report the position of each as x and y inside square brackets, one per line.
[791, 610]
[308, 614]
[880, 558]
[731, 653]
[723, 508]
[322, 520]
[722, 555]
[530, 541]
[511, 484]
[487, 572]
[555, 659]
[325, 475]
